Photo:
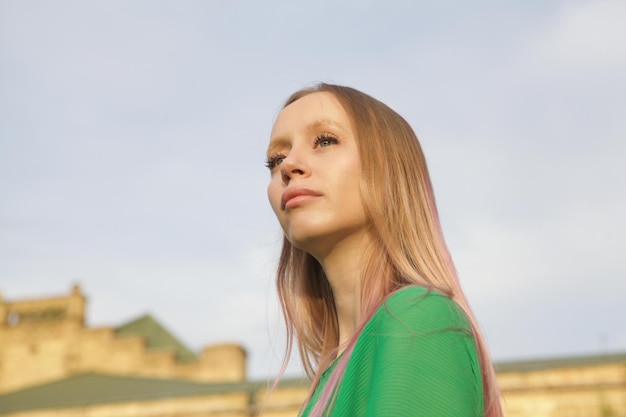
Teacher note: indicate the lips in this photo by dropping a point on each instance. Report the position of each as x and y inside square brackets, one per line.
[293, 196]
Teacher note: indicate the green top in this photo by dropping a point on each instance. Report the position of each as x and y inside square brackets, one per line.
[415, 357]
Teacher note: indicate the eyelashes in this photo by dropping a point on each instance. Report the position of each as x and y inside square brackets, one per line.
[274, 160]
[325, 139]
[322, 140]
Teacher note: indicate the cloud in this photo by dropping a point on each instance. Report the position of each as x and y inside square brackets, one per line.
[585, 36]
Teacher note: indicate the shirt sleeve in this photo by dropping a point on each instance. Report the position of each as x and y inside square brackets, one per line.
[425, 361]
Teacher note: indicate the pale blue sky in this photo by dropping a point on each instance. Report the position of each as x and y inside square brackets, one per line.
[133, 135]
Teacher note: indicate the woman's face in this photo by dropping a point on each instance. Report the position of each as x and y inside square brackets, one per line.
[315, 174]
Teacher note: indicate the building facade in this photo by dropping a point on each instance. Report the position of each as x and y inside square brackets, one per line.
[43, 340]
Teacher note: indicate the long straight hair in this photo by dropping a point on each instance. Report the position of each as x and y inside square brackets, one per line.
[408, 249]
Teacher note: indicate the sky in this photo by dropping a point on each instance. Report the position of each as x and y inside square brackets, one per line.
[133, 138]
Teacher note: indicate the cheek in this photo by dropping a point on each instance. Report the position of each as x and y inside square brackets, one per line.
[274, 193]
[351, 175]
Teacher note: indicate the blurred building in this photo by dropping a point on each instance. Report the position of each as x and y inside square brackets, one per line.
[52, 365]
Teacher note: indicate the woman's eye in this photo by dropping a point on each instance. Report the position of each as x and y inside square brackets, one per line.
[324, 140]
[274, 160]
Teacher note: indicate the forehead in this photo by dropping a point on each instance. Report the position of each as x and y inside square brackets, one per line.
[312, 110]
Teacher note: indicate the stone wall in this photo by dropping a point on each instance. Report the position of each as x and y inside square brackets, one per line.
[571, 389]
[46, 339]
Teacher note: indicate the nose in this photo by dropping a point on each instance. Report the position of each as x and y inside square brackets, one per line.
[293, 165]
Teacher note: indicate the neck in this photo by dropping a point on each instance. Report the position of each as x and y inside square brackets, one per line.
[343, 266]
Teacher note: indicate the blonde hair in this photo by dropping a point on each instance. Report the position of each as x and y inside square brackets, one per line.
[409, 246]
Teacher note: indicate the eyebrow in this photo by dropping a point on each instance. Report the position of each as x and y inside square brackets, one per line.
[276, 143]
[321, 123]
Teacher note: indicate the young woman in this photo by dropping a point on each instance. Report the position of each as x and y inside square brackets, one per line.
[366, 282]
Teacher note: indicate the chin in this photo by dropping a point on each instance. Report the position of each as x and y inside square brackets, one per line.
[305, 241]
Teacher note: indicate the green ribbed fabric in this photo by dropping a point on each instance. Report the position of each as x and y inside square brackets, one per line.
[415, 357]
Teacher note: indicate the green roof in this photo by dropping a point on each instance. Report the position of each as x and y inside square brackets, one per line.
[567, 362]
[92, 388]
[157, 337]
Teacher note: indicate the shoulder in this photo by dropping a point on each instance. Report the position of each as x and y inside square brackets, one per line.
[417, 309]
[416, 353]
